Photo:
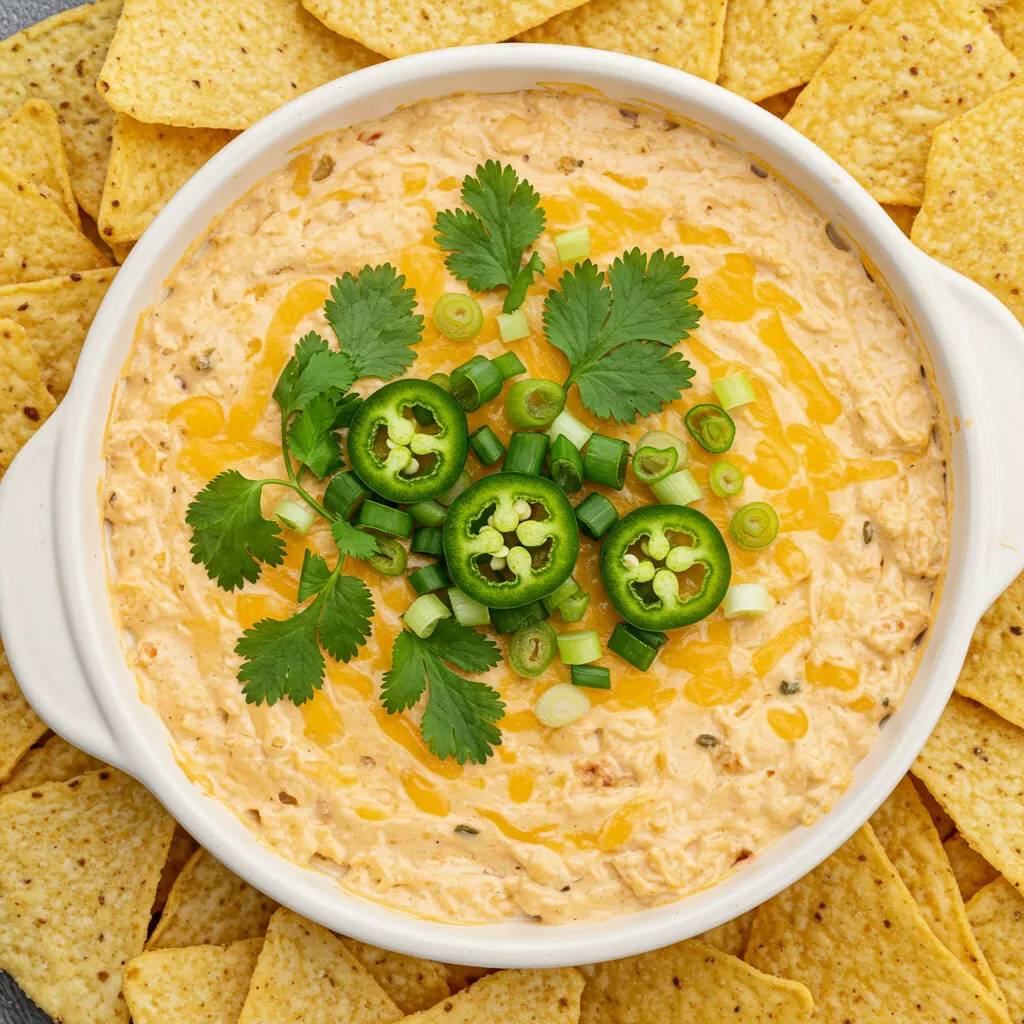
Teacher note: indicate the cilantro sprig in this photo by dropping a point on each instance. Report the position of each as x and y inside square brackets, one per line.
[486, 246]
[617, 337]
[458, 720]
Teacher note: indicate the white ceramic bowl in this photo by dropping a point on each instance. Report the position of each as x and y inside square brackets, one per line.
[54, 612]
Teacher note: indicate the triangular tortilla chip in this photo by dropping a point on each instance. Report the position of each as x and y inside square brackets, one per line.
[25, 405]
[210, 905]
[57, 314]
[733, 936]
[20, 726]
[781, 103]
[79, 864]
[902, 216]
[148, 164]
[974, 765]
[306, 976]
[55, 761]
[971, 218]
[996, 914]
[58, 60]
[971, 870]
[903, 68]
[219, 65]
[943, 823]
[393, 28]
[512, 997]
[37, 238]
[412, 984]
[193, 985]
[910, 841]
[851, 932]
[183, 847]
[460, 977]
[685, 34]
[1008, 21]
[689, 981]
[31, 147]
[771, 47]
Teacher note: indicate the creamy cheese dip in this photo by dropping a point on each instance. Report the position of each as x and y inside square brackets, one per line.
[623, 809]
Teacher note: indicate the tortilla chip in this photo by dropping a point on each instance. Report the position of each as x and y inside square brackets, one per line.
[412, 984]
[1008, 21]
[733, 936]
[851, 932]
[37, 238]
[121, 250]
[25, 405]
[914, 849]
[208, 905]
[689, 981]
[974, 765]
[79, 865]
[30, 147]
[391, 27]
[971, 870]
[57, 314]
[183, 846]
[905, 67]
[20, 726]
[58, 60]
[512, 997]
[943, 823]
[194, 985]
[148, 164]
[993, 673]
[996, 914]
[902, 216]
[781, 103]
[219, 65]
[55, 761]
[462, 977]
[681, 33]
[772, 47]
[306, 976]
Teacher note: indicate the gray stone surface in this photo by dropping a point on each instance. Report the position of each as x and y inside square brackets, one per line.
[18, 14]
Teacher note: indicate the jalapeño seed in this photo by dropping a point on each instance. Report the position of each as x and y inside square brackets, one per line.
[467, 830]
[868, 531]
[707, 740]
[789, 686]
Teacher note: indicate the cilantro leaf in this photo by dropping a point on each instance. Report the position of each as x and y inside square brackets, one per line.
[315, 574]
[458, 719]
[352, 541]
[345, 621]
[229, 534]
[615, 337]
[308, 345]
[282, 658]
[311, 437]
[372, 316]
[486, 247]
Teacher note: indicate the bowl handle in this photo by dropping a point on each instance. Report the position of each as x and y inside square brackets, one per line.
[993, 335]
[33, 616]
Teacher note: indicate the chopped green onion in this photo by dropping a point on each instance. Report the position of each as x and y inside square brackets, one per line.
[677, 489]
[486, 445]
[573, 245]
[534, 402]
[458, 316]
[428, 513]
[566, 424]
[513, 326]
[467, 611]
[344, 494]
[508, 620]
[712, 428]
[457, 488]
[596, 677]
[663, 439]
[374, 516]
[726, 479]
[442, 380]
[651, 637]
[476, 381]
[747, 600]
[572, 609]
[424, 614]
[509, 365]
[296, 516]
[390, 558]
[568, 589]
[631, 648]
[579, 648]
[526, 453]
[532, 649]
[566, 465]
[562, 705]
[430, 577]
[653, 464]
[754, 526]
[605, 460]
[427, 540]
[596, 515]
[733, 391]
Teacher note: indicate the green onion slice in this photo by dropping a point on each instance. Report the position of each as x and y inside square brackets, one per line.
[562, 593]
[562, 705]
[428, 513]
[579, 648]
[712, 428]
[508, 620]
[424, 614]
[653, 464]
[631, 648]
[298, 517]
[526, 453]
[458, 316]
[384, 518]
[476, 381]
[754, 526]
[596, 515]
[457, 488]
[390, 558]
[733, 391]
[677, 489]
[467, 611]
[605, 460]
[509, 365]
[574, 245]
[532, 649]
[566, 424]
[442, 380]
[566, 465]
[429, 578]
[513, 326]
[427, 540]
[726, 479]
[344, 494]
[486, 445]
[746, 600]
[534, 402]
[572, 609]
[596, 677]
[663, 439]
